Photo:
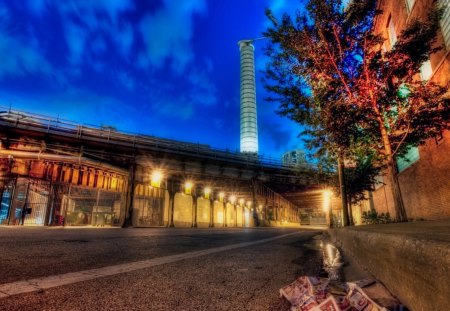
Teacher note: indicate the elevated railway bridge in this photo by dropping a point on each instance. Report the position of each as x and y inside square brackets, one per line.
[56, 172]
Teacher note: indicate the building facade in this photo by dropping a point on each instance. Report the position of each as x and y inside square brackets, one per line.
[294, 158]
[424, 176]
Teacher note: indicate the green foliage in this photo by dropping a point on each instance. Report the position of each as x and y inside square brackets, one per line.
[372, 217]
[329, 72]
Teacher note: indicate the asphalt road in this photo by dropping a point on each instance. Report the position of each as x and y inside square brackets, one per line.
[242, 278]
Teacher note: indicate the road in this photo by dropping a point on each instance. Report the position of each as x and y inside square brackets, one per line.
[153, 268]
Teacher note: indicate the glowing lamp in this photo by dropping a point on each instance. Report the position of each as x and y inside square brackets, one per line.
[207, 192]
[221, 196]
[155, 179]
[326, 200]
[188, 187]
[232, 199]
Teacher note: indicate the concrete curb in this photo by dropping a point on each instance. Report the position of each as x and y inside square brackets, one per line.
[417, 271]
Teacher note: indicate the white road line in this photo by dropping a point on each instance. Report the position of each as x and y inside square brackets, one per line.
[38, 284]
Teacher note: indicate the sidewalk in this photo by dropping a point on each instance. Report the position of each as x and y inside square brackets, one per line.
[411, 259]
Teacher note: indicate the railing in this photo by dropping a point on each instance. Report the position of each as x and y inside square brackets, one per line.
[67, 127]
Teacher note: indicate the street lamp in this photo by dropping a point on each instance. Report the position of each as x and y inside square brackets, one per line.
[232, 199]
[207, 192]
[188, 187]
[155, 178]
[327, 205]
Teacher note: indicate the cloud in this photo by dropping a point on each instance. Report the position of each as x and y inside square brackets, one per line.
[20, 55]
[126, 80]
[124, 39]
[279, 137]
[76, 40]
[88, 23]
[170, 43]
[37, 7]
[202, 90]
[180, 109]
[98, 45]
[74, 103]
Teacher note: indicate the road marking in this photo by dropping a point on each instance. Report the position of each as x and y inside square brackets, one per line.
[39, 284]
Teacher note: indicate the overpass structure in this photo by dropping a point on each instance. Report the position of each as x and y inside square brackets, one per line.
[56, 172]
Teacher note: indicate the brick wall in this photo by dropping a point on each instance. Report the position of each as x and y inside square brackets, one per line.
[425, 185]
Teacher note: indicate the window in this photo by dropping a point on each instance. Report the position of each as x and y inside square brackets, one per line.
[410, 4]
[445, 22]
[426, 71]
[411, 157]
[392, 33]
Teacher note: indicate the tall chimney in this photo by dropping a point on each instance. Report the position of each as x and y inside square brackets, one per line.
[249, 126]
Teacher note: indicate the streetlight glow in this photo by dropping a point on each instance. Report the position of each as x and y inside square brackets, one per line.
[326, 200]
[207, 192]
[155, 179]
[232, 199]
[188, 187]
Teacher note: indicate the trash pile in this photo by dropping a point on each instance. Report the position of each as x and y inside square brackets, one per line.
[311, 293]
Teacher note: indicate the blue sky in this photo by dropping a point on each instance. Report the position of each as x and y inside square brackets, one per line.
[168, 68]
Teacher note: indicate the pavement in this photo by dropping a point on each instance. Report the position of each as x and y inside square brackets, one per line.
[411, 259]
[229, 269]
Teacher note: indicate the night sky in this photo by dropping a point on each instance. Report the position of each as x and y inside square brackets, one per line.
[165, 68]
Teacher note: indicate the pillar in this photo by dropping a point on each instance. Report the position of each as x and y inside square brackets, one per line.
[194, 209]
[235, 215]
[130, 196]
[224, 213]
[172, 192]
[211, 212]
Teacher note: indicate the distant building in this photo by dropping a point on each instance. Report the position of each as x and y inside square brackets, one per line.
[294, 158]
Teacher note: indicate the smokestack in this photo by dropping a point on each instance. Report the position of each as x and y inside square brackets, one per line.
[249, 126]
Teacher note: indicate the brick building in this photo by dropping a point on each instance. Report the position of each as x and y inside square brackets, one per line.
[425, 178]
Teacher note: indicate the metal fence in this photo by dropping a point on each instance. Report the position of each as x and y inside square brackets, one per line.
[28, 201]
[149, 204]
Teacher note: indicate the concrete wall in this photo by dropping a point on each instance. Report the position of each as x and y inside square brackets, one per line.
[230, 215]
[219, 215]
[240, 216]
[416, 270]
[203, 213]
[182, 215]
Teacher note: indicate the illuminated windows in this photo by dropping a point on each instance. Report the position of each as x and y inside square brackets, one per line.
[426, 71]
[410, 4]
[391, 32]
[445, 22]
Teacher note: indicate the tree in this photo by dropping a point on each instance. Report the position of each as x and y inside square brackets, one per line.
[332, 74]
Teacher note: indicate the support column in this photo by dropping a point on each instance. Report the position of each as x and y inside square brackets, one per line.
[235, 215]
[224, 213]
[253, 207]
[194, 208]
[130, 197]
[172, 192]
[211, 212]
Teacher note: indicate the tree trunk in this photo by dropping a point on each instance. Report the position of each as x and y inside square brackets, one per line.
[350, 212]
[345, 220]
[400, 213]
